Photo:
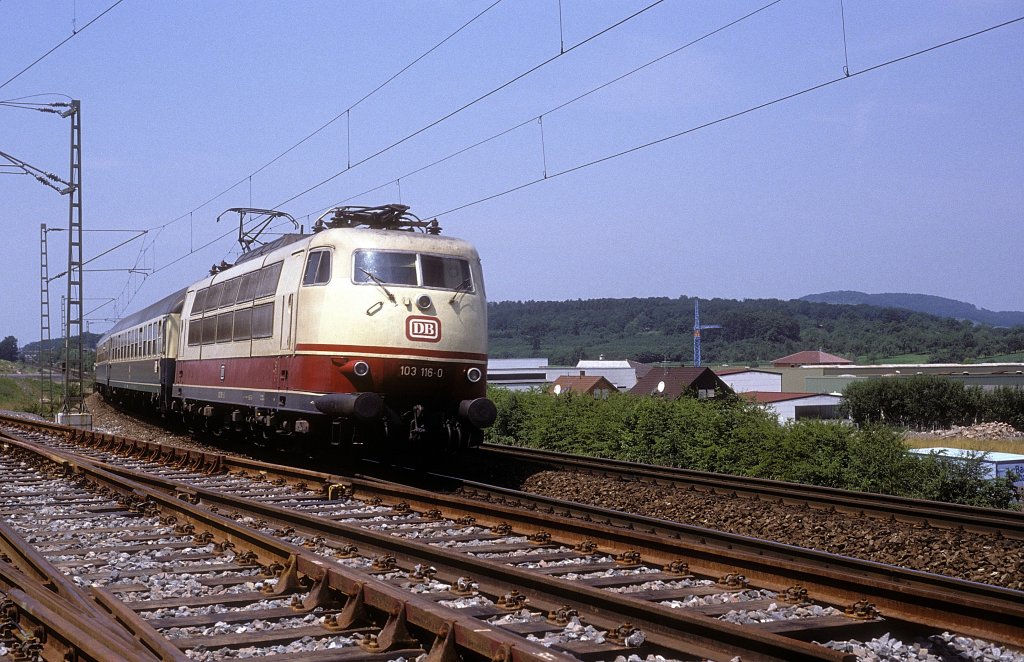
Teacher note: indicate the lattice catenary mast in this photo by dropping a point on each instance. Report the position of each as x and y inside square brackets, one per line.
[74, 393]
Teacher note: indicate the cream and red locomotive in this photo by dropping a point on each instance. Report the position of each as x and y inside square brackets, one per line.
[371, 329]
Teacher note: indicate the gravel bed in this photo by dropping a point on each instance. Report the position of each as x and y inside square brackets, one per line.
[721, 598]
[954, 553]
[945, 647]
[775, 612]
[963, 554]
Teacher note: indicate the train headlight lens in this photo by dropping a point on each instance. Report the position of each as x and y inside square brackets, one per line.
[423, 302]
[361, 368]
[474, 375]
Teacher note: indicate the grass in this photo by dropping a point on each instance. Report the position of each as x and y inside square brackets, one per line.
[989, 445]
[1003, 358]
[20, 394]
[899, 358]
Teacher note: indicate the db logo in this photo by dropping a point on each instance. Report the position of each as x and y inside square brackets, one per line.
[423, 329]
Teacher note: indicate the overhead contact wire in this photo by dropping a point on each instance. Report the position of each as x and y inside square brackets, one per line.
[410, 136]
[47, 53]
[733, 115]
[469, 104]
[334, 119]
[560, 106]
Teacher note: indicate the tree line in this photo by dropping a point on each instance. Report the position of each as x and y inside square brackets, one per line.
[924, 402]
[755, 330]
[737, 437]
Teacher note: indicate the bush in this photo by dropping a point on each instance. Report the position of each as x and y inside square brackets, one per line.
[737, 437]
[926, 402]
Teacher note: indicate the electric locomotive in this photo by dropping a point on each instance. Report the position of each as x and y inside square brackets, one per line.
[372, 330]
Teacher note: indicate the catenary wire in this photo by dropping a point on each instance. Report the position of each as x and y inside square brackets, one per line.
[406, 138]
[556, 108]
[643, 146]
[726, 118]
[469, 104]
[336, 117]
[73, 35]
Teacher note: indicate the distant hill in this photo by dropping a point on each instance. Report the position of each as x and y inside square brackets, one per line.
[752, 331]
[922, 303]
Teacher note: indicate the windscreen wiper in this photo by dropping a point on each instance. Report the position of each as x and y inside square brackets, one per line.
[380, 284]
[462, 288]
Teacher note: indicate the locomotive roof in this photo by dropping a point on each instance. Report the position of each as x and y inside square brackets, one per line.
[269, 247]
[171, 303]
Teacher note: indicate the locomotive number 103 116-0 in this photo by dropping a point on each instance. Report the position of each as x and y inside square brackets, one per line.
[426, 371]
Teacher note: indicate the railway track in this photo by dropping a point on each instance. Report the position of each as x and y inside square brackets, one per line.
[547, 572]
[912, 511]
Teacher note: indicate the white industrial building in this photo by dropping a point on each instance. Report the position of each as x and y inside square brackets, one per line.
[743, 380]
[798, 406]
[523, 374]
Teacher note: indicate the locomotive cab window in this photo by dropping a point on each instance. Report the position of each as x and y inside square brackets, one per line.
[390, 268]
[318, 268]
[445, 272]
[393, 268]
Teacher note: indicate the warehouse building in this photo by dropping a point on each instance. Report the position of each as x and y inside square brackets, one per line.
[799, 406]
[741, 380]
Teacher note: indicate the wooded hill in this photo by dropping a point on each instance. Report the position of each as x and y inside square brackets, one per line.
[923, 303]
[754, 331]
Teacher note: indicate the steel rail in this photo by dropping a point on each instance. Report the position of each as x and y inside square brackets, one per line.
[917, 597]
[330, 581]
[58, 628]
[672, 629]
[915, 511]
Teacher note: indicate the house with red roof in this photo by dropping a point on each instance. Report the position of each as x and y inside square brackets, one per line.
[594, 385]
[674, 383]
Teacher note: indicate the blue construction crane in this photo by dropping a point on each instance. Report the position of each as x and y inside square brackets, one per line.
[697, 328]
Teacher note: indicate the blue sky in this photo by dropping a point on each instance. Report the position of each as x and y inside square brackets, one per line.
[906, 178]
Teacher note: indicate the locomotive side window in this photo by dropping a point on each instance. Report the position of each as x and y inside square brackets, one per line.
[213, 297]
[195, 332]
[230, 292]
[224, 327]
[199, 303]
[318, 268]
[269, 276]
[209, 330]
[243, 324]
[263, 320]
[247, 288]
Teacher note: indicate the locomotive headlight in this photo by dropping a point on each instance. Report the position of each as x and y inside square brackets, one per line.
[423, 302]
[474, 375]
[361, 368]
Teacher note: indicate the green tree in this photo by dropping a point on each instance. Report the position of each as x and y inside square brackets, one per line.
[9, 349]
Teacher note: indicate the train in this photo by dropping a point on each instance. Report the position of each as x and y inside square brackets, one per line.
[370, 330]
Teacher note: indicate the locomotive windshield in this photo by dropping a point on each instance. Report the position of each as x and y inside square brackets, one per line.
[415, 269]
